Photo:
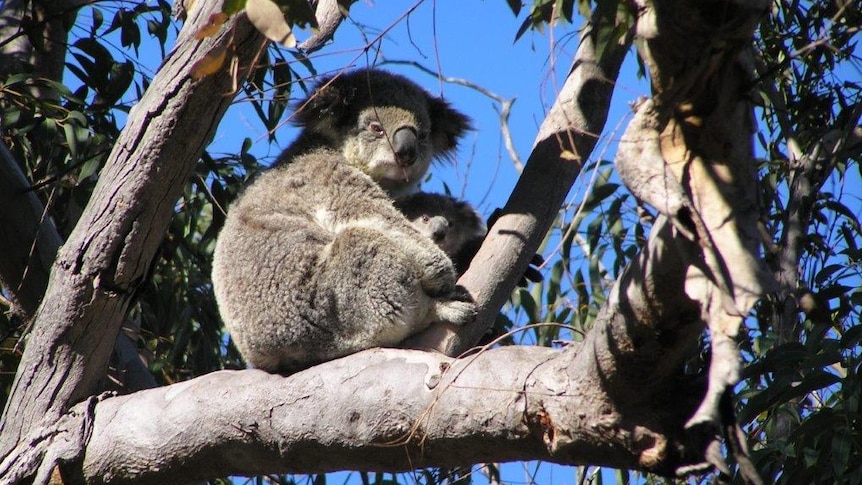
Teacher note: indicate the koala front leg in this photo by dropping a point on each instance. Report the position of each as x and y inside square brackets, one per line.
[377, 286]
[456, 312]
[451, 303]
[437, 272]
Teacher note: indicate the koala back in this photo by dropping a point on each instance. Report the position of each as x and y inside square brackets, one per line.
[314, 263]
[383, 124]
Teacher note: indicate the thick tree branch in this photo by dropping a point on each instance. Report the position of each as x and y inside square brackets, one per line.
[107, 254]
[565, 140]
[689, 153]
[382, 409]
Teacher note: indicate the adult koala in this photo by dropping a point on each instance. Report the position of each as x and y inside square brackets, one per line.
[314, 262]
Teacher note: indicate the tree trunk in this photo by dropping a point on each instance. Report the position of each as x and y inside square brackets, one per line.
[28, 239]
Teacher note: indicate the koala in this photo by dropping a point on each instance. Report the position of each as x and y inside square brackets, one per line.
[453, 225]
[314, 262]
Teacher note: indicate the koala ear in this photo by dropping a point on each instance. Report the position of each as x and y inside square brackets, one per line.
[329, 103]
[447, 126]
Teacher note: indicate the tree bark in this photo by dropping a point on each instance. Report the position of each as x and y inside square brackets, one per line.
[107, 255]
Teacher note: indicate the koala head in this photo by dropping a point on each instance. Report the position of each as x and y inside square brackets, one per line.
[384, 124]
[452, 224]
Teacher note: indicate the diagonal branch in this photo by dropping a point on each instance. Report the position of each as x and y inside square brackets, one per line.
[565, 140]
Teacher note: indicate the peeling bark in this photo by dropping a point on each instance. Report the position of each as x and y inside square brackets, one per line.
[699, 142]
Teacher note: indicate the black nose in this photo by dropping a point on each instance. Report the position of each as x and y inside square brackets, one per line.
[406, 145]
[438, 227]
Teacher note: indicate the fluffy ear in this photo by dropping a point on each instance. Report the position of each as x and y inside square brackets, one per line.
[447, 126]
[329, 103]
[468, 213]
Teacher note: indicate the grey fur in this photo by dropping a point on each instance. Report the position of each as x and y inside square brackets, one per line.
[454, 225]
[314, 262]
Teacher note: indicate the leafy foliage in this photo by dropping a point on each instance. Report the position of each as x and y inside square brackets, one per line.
[802, 388]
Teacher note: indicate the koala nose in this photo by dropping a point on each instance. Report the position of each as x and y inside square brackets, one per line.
[438, 227]
[406, 145]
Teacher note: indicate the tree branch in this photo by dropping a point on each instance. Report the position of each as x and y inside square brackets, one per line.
[329, 16]
[380, 410]
[565, 140]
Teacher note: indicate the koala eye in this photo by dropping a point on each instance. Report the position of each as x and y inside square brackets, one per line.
[376, 128]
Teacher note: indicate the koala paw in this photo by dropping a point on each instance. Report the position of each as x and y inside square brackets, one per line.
[439, 279]
[456, 312]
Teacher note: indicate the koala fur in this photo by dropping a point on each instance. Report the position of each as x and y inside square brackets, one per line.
[452, 224]
[314, 262]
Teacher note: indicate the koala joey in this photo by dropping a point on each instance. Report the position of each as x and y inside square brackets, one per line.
[314, 262]
[452, 224]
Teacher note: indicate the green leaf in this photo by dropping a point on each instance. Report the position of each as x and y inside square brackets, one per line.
[98, 19]
[515, 6]
[553, 292]
[88, 168]
[824, 274]
[583, 300]
[297, 12]
[231, 7]
[529, 305]
[851, 337]
[818, 380]
[71, 140]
